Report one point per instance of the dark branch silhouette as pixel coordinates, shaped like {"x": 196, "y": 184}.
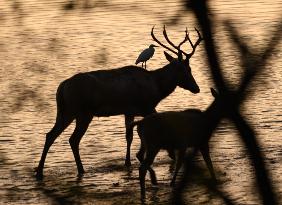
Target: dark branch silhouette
{"x": 233, "y": 99}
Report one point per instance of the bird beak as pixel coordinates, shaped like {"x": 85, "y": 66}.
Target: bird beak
{"x": 156, "y": 46}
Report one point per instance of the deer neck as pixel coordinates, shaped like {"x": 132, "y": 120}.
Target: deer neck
{"x": 213, "y": 115}
{"x": 166, "y": 80}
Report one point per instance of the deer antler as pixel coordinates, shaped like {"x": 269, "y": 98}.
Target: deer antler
{"x": 167, "y": 39}
{"x": 187, "y": 38}
{"x": 172, "y": 44}
{"x": 194, "y": 46}
{"x": 161, "y": 44}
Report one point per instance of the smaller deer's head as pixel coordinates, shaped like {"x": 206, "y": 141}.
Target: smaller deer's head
{"x": 181, "y": 66}
{"x": 218, "y": 108}
{"x": 224, "y": 102}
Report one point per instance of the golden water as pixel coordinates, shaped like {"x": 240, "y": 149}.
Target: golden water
{"x": 42, "y": 44}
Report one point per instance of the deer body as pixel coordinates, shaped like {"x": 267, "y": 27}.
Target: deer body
{"x": 130, "y": 91}
{"x": 175, "y": 131}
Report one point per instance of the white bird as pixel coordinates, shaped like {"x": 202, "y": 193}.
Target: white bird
{"x": 146, "y": 55}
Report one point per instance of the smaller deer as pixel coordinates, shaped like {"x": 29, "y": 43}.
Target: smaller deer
{"x": 176, "y": 131}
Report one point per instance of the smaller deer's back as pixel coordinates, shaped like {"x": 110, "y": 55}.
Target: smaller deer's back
{"x": 173, "y": 129}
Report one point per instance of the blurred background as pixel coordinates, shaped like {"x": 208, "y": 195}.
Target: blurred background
{"x": 44, "y": 42}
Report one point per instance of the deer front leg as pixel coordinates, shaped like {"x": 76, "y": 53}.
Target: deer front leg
{"x": 129, "y": 137}
{"x": 141, "y": 153}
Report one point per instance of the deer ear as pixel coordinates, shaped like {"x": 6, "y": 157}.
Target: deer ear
{"x": 214, "y": 93}
{"x": 168, "y": 57}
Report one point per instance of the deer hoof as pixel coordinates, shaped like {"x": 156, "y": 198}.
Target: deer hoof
{"x": 80, "y": 175}
{"x": 39, "y": 175}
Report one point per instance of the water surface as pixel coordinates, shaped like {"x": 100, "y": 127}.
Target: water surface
{"x": 42, "y": 44}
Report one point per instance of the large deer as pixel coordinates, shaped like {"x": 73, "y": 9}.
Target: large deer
{"x": 130, "y": 91}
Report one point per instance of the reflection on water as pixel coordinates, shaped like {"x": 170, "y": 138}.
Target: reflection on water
{"x": 42, "y": 43}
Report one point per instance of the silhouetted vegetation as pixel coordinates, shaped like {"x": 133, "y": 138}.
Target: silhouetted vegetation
{"x": 253, "y": 63}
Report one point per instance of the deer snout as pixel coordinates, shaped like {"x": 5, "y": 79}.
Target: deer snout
{"x": 195, "y": 90}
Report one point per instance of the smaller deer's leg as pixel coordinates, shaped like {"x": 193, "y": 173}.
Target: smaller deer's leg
{"x": 179, "y": 162}
{"x": 206, "y": 155}
{"x": 141, "y": 152}
{"x": 51, "y": 136}
{"x": 82, "y": 123}
{"x": 129, "y": 137}
{"x": 153, "y": 176}
{"x": 171, "y": 154}
{"x": 146, "y": 165}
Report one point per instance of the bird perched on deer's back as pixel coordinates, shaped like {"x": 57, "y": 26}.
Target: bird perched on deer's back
{"x": 146, "y": 55}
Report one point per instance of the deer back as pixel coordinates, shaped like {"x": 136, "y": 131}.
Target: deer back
{"x": 129, "y": 90}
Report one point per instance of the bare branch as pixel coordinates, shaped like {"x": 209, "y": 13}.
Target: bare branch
{"x": 253, "y": 148}
{"x": 201, "y": 10}
{"x": 252, "y": 63}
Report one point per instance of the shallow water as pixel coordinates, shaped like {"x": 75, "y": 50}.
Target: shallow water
{"x": 42, "y": 44}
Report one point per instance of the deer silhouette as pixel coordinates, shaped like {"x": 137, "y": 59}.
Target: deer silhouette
{"x": 177, "y": 131}
{"x": 130, "y": 91}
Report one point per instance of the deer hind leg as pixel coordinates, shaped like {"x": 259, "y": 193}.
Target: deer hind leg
{"x": 146, "y": 165}
{"x": 171, "y": 154}
{"x": 62, "y": 122}
{"x": 82, "y": 123}
{"x": 206, "y": 155}
{"x": 179, "y": 162}
{"x": 129, "y": 138}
